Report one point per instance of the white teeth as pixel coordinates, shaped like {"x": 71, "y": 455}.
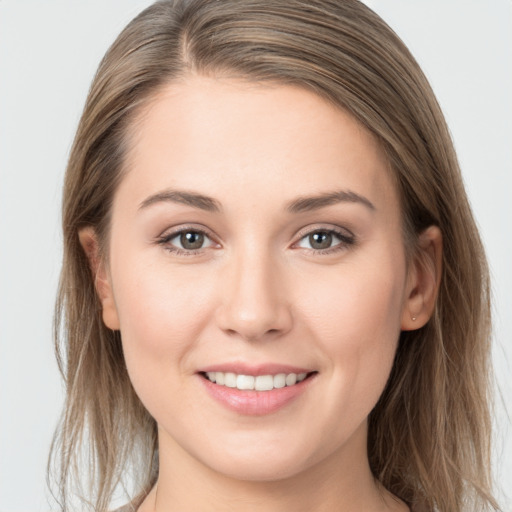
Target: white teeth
{"x": 291, "y": 379}
{"x": 280, "y": 380}
{"x": 230, "y": 380}
{"x": 259, "y": 383}
{"x": 245, "y": 382}
{"x": 264, "y": 383}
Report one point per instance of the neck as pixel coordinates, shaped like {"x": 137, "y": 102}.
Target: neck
{"x": 341, "y": 482}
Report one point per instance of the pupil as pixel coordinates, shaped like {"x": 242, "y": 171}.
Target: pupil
{"x": 192, "y": 240}
{"x": 320, "y": 240}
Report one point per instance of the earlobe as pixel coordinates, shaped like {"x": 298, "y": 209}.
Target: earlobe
{"x": 90, "y": 245}
{"x": 423, "y": 280}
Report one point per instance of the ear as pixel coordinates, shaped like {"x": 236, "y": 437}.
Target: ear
{"x": 423, "y": 279}
{"x": 102, "y": 283}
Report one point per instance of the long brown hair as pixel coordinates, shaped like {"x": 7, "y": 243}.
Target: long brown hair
{"x": 429, "y": 434}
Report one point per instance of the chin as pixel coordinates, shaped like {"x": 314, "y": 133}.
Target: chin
{"x": 263, "y": 459}
{"x": 251, "y": 470}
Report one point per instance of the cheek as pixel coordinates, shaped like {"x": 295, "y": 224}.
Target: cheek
{"x": 359, "y": 306}
{"x": 161, "y": 314}
{"x": 156, "y": 302}
{"x": 357, "y": 322}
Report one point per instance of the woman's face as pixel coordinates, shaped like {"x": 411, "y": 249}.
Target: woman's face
{"x": 256, "y": 232}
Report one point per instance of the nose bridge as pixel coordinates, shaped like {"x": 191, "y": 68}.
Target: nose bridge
{"x": 254, "y": 303}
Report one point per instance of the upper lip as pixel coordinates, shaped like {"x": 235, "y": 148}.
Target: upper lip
{"x": 241, "y": 368}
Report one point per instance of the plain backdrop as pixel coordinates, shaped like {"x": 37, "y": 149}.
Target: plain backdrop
{"x": 49, "y": 50}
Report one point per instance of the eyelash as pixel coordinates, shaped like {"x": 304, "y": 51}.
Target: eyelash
{"x": 165, "y": 240}
{"x": 345, "y": 241}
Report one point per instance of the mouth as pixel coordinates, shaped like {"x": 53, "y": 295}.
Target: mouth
{"x": 256, "y": 382}
{"x": 256, "y": 389}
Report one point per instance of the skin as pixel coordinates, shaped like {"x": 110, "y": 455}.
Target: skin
{"x": 258, "y": 291}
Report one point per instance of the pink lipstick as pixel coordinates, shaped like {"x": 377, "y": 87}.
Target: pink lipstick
{"x": 255, "y": 389}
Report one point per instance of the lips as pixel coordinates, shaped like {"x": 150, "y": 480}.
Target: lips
{"x": 255, "y": 390}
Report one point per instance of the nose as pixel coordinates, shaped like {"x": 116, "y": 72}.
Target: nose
{"x": 254, "y": 302}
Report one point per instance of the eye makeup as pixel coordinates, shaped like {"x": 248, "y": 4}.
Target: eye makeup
{"x": 192, "y": 240}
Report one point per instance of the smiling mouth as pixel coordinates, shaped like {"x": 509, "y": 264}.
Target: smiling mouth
{"x": 256, "y": 383}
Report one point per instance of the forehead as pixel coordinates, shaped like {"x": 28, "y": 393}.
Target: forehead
{"x": 230, "y": 138}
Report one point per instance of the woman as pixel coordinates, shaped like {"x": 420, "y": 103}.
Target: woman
{"x": 273, "y": 290}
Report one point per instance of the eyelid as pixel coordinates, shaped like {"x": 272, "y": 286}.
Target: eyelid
{"x": 332, "y": 228}
{"x": 176, "y": 230}
{"x": 346, "y": 237}
{"x": 170, "y": 233}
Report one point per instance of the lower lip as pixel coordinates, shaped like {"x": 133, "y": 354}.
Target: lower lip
{"x": 255, "y": 403}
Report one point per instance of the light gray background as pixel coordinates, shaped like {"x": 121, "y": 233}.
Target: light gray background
{"x": 49, "y": 50}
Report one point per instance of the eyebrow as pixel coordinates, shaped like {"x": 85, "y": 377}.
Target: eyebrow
{"x": 302, "y": 204}
{"x": 310, "y": 203}
{"x": 182, "y": 197}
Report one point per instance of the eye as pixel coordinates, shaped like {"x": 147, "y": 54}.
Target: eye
{"x": 326, "y": 240}
{"x": 186, "y": 241}
{"x": 190, "y": 240}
